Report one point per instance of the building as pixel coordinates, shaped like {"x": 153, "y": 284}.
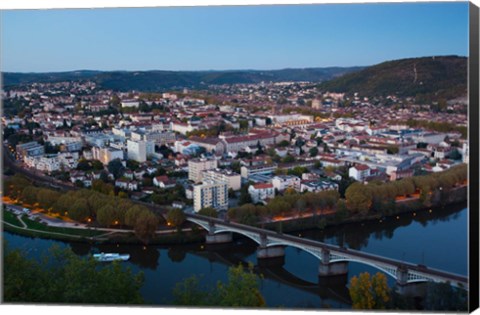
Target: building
{"x": 47, "y": 163}
{"x": 233, "y": 180}
{"x": 317, "y": 185}
{"x": 126, "y": 184}
{"x": 181, "y": 127}
{"x": 164, "y": 182}
{"x": 265, "y": 169}
{"x": 282, "y": 182}
{"x": 197, "y": 166}
{"x": 29, "y": 149}
{"x": 186, "y": 147}
{"x": 210, "y": 194}
{"x": 130, "y": 103}
{"x": 106, "y": 155}
{"x": 359, "y": 172}
{"x": 158, "y": 137}
{"x": 237, "y": 143}
{"x": 211, "y": 145}
{"x": 316, "y": 103}
{"x": 140, "y": 150}
{"x": 261, "y": 192}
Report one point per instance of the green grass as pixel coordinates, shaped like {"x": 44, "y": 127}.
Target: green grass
{"x": 11, "y": 218}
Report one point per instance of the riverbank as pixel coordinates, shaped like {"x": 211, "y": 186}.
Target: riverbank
{"x": 197, "y": 235}
{"x": 454, "y": 198}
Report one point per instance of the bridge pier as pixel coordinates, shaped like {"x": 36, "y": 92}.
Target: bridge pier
{"x": 328, "y": 269}
{"x": 415, "y": 289}
{"x": 264, "y": 252}
{"x": 333, "y": 269}
{"x": 218, "y": 238}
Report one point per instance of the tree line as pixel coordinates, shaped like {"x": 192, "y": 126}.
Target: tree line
{"x": 63, "y": 277}
{"x": 378, "y": 197}
{"x": 86, "y": 206}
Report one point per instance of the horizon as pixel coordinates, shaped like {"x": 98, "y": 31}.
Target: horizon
{"x": 225, "y": 38}
{"x": 227, "y": 70}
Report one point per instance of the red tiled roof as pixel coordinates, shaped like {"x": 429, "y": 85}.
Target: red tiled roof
{"x": 361, "y": 167}
{"x": 263, "y": 186}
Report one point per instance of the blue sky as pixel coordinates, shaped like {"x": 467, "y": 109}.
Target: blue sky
{"x": 221, "y": 38}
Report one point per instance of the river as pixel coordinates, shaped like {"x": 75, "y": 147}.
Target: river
{"x": 437, "y": 239}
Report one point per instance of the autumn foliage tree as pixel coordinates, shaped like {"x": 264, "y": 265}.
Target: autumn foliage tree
{"x": 176, "y": 217}
{"x": 241, "y": 290}
{"x": 359, "y": 198}
{"x": 369, "y": 292}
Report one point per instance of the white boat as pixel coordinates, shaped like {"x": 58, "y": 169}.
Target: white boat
{"x": 111, "y": 256}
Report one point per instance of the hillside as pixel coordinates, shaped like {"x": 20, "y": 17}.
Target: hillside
{"x": 426, "y": 78}
{"x": 150, "y": 81}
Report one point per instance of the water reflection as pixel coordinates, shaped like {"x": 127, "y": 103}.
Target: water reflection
{"x": 292, "y": 281}
{"x": 357, "y": 235}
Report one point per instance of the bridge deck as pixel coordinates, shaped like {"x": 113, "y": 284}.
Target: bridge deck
{"x": 334, "y": 249}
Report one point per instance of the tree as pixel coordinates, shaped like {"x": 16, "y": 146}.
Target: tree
{"x": 97, "y": 165}
{"x": 47, "y": 198}
{"x": 64, "y": 203}
{"x": 209, "y": 212}
{"x": 106, "y": 215}
{"x": 29, "y": 195}
{"x": 116, "y": 168}
{"x": 132, "y": 214}
{"x": 369, "y": 292}
{"x": 14, "y": 185}
{"x": 176, "y": 217}
{"x": 288, "y": 159}
{"x": 313, "y": 151}
{"x": 283, "y": 143}
{"x": 122, "y": 194}
{"x": 145, "y": 225}
{"x": 84, "y": 165}
{"x": 241, "y": 290}
{"x": 244, "y": 195}
{"x": 79, "y": 210}
{"x": 359, "y": 198}
{"x": 63, "y": 277}
{"x": 444, "y": 297}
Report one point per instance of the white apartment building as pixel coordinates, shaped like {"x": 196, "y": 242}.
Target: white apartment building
{"x": 140, "y": 150}
{"x": 317, "y": 185}
{"x": 182, "y": 128}
{"x": 233, "y": 180}
{"x": 210, "y": 194}
{"x": 261, "y": 192}
{"x": 197, "y": 166}
{"x": 106, "y": 155}
{"x": 263, "y": 169}
{"x": 46, "y": 163}
{"x": 282, "y": 182}
{"x": 52, "y": 162}
{"x": 359, "y": 172}
{"x": 130, "y": 103}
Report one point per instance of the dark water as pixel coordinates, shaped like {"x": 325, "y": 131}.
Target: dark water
{"x": 437, "y": 239}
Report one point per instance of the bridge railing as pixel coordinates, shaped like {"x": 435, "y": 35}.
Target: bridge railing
{"x": 358, "y": 255}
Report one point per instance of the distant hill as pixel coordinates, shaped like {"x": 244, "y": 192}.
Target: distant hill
{"x": 150, "y": 81}
{"x": 427, "y": 78}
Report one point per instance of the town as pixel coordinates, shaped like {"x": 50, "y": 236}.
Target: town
{"x": 229, "y": 145}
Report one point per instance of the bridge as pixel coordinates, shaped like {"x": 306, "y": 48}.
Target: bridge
{"x": 333, "y": 259}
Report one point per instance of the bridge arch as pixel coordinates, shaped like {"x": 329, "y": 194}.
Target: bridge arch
{"x": 311, "y": 252}
{"x": 389, "y": 271}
